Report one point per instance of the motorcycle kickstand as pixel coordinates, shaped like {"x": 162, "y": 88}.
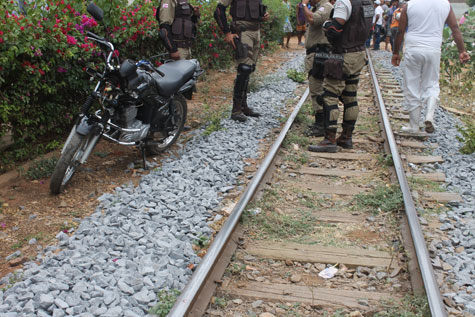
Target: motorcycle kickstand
{"x": 145, "y": 167}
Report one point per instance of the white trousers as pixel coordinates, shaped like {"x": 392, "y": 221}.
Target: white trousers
{"x": 421, "y": 76}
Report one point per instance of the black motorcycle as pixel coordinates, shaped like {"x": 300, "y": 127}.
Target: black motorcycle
{"x": 140, "y": 105}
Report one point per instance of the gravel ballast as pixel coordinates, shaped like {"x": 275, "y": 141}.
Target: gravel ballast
{"x": 139, "y": 239}
{"x": 453, "y": 257}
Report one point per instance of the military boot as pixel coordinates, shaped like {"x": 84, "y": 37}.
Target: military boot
{"x": 236, "y": 112}
{"x": 317, "y": 129}
{"x": 328, "y": 144}
{"x": 345, "y": 138}
{"x": 247, "y": 110}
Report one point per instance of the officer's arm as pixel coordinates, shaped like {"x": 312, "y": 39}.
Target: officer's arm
{"x": 166, "y": 17}
{"x": 220, "y": 17}
{"x": 457, "y": 35}
{"x": 318, "y": 17}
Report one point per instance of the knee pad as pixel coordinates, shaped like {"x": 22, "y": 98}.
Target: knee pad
{"x": 245, "y": 69}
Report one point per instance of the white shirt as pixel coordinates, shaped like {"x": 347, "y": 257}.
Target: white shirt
{"x": 342, "y": 9}
{"x": 378, "y": 11}
{"x": 426, "y": 19}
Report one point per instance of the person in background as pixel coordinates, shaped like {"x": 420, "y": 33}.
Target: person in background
{"x": 301, "y": 22}
{"x": 317, "y": 47}
{"x": 463, "y": 18}
{"x": 424, "y": 21}
{"x": 178, "y": 21}
{"x": 287, "y": 26}
{"x": 244, "y": 36}
{"x": 394, "y": 25}
{"x": 388, "y": 19}
{"x": 377, "y": 25}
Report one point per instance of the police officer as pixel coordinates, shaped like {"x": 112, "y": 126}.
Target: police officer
{"x": 178, "y": 26}
{"x": 347, "y": 32}
{"x": 317, "y": 47}
{"x": 244, "y": 36}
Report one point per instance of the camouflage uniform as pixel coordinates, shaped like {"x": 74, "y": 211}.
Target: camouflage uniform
{"x": 176, "y": 39}
{"x": 316, "y": 41}
{"x": 246, "y": 24}
{"x": 342, "y": 71}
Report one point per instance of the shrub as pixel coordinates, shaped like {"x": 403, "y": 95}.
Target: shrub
{"x": 456, "y": 76}
{"x": 468, "y": 137}
{"x": 42, "y": 168}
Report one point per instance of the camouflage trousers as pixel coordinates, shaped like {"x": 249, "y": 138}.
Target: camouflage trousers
{"x": 185, "y": 53}
{"x": 344, "y": 90}
{"x": 252, "y": 40}
{"x": 314, "y": 85}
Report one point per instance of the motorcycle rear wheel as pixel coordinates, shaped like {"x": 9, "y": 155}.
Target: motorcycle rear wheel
{"x": 162, "y": 143}
{"x": 68, "y": 163}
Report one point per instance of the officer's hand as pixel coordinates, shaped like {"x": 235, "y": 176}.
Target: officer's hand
{"x": 464, "y": 57}
{"x": 196, "y": 12}
{"x": 266, "y": 17}
{"x": 229, "y": 38}
{"x": 304, "y": 2}
{"x": 396, "y": 59}
{"x": 175, "y": 56}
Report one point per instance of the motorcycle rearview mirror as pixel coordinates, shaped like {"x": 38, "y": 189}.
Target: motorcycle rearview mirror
{"x": 96, "y": 12}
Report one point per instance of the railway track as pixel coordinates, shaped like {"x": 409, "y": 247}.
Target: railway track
{"x": 306, "y": 213}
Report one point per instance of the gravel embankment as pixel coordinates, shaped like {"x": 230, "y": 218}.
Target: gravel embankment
{"x": 453, "y": 255}
{"x": 139, "y": 239}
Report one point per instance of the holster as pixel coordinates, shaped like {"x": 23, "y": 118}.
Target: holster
{"x": 333, "y": 67}
{"x": 241, "y": 49}
{"x": 318, "y": 67}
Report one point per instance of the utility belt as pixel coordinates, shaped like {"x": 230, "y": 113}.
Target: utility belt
{"x": 183, "y": 44}
{"x": 238, "y": 29}
{"x": 322, "y": 53}
{"x": 350, "y": 50}
{"x": 319, "y": 48}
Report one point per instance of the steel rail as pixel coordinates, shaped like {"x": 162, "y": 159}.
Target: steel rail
{"x": 190, "y": 293}
{"x": 434, "y": 297}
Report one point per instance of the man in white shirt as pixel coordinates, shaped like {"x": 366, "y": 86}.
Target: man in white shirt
{"x": 424, "y": 21}
{"x": 377, "y": 26}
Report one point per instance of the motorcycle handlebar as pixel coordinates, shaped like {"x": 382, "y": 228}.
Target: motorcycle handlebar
{"x": 95, "y": 36}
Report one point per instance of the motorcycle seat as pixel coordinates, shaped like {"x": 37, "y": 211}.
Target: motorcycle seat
{"x": 175, "y": 75}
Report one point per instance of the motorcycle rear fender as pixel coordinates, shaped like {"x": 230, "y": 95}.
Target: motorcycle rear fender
{"x": 187, "y": 89}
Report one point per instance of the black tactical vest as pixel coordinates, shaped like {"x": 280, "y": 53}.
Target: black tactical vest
{"x": 182, "y": 26}
{"x": 356, "y": 29}
{"x": 247, "y": 10}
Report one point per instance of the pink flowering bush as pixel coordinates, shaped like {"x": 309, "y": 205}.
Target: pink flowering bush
{"x": 43, "y": 55}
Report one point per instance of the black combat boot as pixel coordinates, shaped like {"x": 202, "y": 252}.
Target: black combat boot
{"x": 240, "y": 93}
{"x": 328, "y": 144}
{"x": 345, "y": 139}
{"x": 236, "y": 112}
{"x": 317, "y": 129}
{"x": 247, "y": 110}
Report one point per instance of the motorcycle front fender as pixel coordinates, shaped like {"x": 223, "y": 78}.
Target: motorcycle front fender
{"x": 84, "y": 128}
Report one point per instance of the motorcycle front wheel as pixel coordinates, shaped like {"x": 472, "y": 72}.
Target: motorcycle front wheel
{"x": 176, "y": 120}
{"x": 68, "y": 162}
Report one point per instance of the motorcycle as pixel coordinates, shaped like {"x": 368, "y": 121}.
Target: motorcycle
{"x": 140, "y": 105}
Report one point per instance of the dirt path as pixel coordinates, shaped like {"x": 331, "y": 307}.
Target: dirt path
{"x": 30, "y": 217}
